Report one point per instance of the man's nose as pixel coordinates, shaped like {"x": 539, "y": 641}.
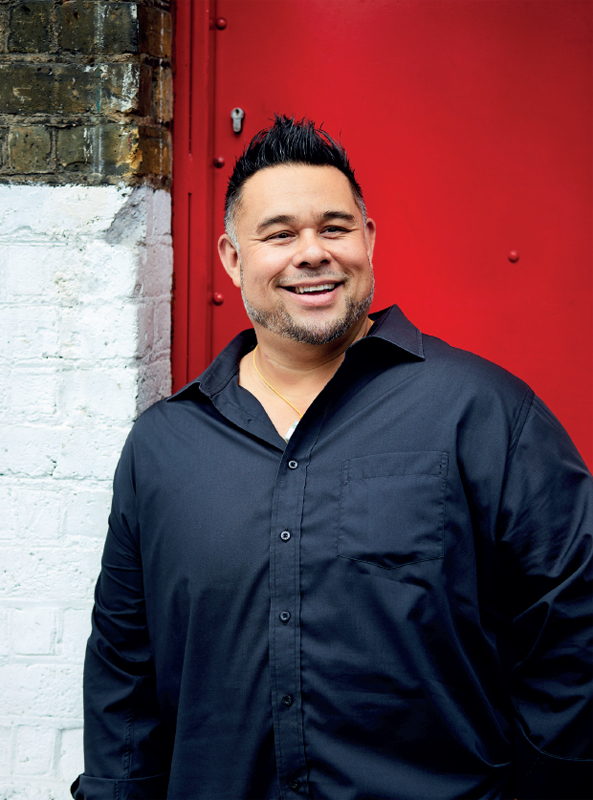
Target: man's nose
{"x": 310, "y": 251}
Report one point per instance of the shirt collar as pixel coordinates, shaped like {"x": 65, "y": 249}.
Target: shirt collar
{"x": 390, "y": 325}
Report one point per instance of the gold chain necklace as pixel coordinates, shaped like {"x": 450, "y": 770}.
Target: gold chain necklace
{"x": 269, "y": 385}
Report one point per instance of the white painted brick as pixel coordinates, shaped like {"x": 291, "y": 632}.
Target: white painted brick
{"x": 51, "y": 690}
{"x": 6, "y": 739}
{"x": 34, "y": 631}
{"x": 107, "y": 272}
{"x": 71, "y": 757}
{"x": 8, "y": 520}
{"x": 89, "y": 452}
{"x": 98, "y": 334}
{"x": 162, "y": 339}
{"x": 81, "y": 268}
{"x": 129, "y": 224}
{"x": 86, "y": 512}
{"x": 38, "y": 513}
{"x": 154, "y": 383}
{"x": 33, "y": 392}
{"x": 27, "y": 272}
{"x": 26, "y": 790}
{"x": 154, "y": 328}
{"x": 158, "y": 214}
{"x": 60, "y": 211}
{"x": 34, "y": 750}
{"x": 4, "y": 631}
{"x": 76, "y": 629}
{"x": 155, "y": 270}
{"x": 146, "y": 324}
{"x": 107, "y": 394}
{"x": 30, "y": 331}
{"x": 29, "y": 450}
{"x": 55, "y": 574}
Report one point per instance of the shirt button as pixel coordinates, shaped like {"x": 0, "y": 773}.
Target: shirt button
{"x": 293, "y": 464}
{"x": 285, "y": 536}
{"x": 284, "y": 616}
{"x": 287, "y": 700}
{"x": 294, "y": 785}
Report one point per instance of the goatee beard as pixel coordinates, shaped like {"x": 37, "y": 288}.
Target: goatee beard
{"x": 279, "y": 321}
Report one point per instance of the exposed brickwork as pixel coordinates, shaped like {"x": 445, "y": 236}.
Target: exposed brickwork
{"x": 85, "y": 91}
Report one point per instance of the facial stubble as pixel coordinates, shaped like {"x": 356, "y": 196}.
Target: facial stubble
{"x": 279, "y": 320}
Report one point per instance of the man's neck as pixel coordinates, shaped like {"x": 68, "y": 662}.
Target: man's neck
{"x": 286, "y": 376}
{"x": 298, "y": 366}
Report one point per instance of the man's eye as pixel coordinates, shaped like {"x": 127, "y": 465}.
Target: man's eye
{"x": 334, "y": 229}
{"x": 280, "y": 235}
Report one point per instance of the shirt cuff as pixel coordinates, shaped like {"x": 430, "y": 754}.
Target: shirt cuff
{"x": 86, "y": 787}
{"x": 542, "y": 776}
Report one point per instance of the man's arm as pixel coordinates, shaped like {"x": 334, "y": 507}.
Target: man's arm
{"x": 126, "y": 755}
{"x": 546, "y": 551}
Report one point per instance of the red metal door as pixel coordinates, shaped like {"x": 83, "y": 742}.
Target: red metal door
{"x": 469, "y": 124}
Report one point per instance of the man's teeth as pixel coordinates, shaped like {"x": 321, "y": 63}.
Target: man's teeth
{"x": 325, "y": 287}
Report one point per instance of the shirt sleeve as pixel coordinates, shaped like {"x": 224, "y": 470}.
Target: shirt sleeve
{"x": 545, "y": 544}
{"x": 125, "y": 750}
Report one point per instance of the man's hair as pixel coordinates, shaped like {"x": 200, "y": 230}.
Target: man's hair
{"x": 287, "y": 141}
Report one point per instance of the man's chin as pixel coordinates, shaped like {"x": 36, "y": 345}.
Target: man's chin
{"x": 283, "y": 324}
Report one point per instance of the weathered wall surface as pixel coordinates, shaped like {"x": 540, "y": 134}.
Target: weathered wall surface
{"x": 85, "y": 91}
{"x": 85, "y": 288}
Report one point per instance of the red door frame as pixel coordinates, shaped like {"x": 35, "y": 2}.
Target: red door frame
{"x": 194, "y": 39}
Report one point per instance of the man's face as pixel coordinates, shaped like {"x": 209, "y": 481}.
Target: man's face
{"x": 304, "y": 260}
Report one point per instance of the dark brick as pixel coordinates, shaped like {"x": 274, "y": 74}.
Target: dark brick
{"x": 29, "y": 149}
{"x": 90, "y": 27}
{"x": 156, "y": 33}
{"x": 108, "y": 149}
{"x": 3, "y": 27}
{"x": 3, "y": 135}
{"x": 155, "y": 152}
{"x": 30, "y": 27}
{"x": 162, "y": 96}
{"x": 144, "y": 90}
{"x": 68, "y": 88}
{"x": 119, "y": 87}
{"x": 25, "y": 88}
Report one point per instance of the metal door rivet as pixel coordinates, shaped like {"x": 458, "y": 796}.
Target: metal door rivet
{"x": 513, "y": 256}
{"x": 218, "y": 298}
{"x": 221, "y": 23}
{"x": 219, "y": 162}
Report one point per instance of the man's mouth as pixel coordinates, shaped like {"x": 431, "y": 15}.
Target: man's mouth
{"x": 323, "y": 287}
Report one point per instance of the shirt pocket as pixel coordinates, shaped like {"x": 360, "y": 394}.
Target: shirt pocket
{"x": 392, "y": 508}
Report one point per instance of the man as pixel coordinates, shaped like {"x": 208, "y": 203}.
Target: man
{"x": 348, "y": 561}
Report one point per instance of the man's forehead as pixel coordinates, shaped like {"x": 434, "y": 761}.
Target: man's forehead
{"x": 281, "y": 189}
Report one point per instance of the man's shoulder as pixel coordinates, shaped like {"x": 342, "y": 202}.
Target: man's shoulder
{"x": 469, "y": 371}
{"x": 168, "y": 412}
{"x": 443, "y": 363}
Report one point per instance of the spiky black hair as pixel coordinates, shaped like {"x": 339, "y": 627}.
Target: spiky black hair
{"x": 287, "y": 141}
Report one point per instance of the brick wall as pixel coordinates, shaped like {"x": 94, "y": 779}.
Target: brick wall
{"x": 85, "y": 285}
{"x": 85, "y": 91}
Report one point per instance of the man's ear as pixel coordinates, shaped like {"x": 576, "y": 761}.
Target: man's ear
{"x": 370, "y": 234}
{"x": 230, "y": 259}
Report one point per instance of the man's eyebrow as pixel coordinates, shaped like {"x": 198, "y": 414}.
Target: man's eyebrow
{"x": 280, "y": 219}
{"x": 339, "y": 215}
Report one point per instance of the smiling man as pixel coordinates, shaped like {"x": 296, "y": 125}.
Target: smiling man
{"x": 347, "y": 562}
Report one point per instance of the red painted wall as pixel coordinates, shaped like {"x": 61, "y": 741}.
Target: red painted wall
{"x": 469, "y": 124}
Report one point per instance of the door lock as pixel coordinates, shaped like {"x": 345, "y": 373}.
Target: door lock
{"x": 237, "y": 115}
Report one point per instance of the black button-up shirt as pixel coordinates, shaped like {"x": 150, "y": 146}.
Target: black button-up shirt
{"x": 390, "y": 605}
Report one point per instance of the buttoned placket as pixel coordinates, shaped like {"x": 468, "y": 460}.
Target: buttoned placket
{"x": 285, "y": 648}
